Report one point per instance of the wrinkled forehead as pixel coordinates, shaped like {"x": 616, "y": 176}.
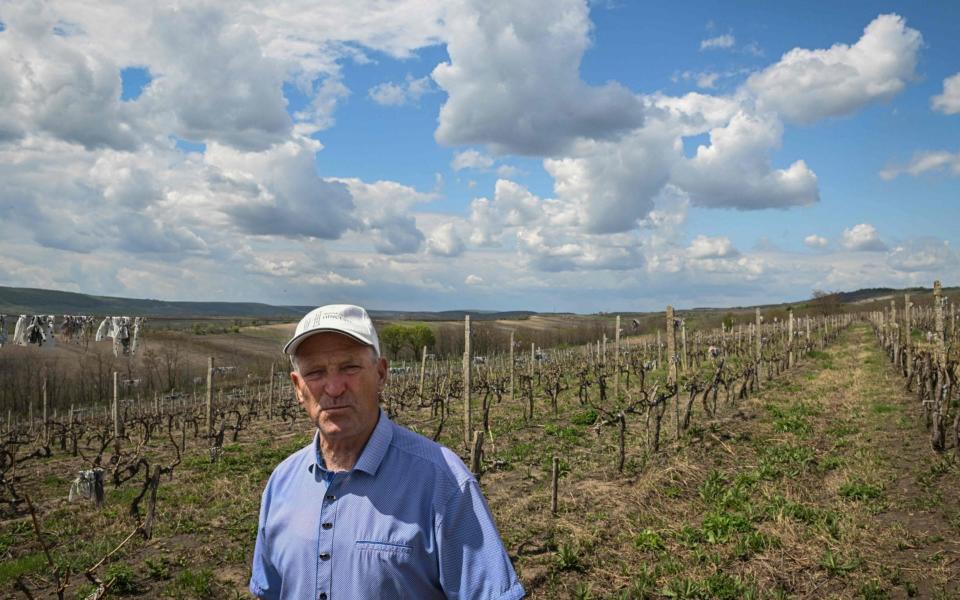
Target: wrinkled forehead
{"x": 329, "y": 346}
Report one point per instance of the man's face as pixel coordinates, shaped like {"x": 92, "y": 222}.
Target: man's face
{"x": 338, "y": 384}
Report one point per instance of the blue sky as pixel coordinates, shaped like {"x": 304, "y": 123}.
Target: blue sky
{"x": 500, "y": 155}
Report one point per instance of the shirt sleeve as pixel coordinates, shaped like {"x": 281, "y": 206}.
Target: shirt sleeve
{"x": 473, "y": 562}
{"x": 265, "y": 579}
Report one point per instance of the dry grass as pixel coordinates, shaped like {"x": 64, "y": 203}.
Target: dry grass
{"x": 822, "y": 485}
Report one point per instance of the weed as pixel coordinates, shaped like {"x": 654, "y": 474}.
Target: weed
{"x": 682, "y": 589}
{"x": 121, "y": 579}
{"x": 587, "y": 417}
{"x": 648, "y": 541}
{"x": 583, "y": 591}
{"x": 834, "y": 563}
{"x": 754, "y": 542}
{"x": 642, "y": 586}
{"x": 857, "y": 490}
{"x": 882, "y": 408}
{"x": 724, "y": 587}
{"x": 719, "y": 527}
{"x": 568, "y": 559}
{"x": 157, "y": 569}
{"x": 193, "y": 585}
{"x": 873, "y": 590}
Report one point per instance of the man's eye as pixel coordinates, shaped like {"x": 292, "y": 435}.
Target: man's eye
{"x": 352, "y": 368}
{"x": 313, "y": 375}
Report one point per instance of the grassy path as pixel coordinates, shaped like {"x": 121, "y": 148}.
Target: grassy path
{"x": 821, "y": 486}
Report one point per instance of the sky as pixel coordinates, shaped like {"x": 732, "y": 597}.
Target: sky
{"x": 498, "y": 155}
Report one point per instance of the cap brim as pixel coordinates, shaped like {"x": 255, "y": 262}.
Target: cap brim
{"x": 293, "y": 344}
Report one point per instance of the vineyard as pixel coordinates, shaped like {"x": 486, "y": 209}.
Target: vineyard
{"x": 770, "y": 457}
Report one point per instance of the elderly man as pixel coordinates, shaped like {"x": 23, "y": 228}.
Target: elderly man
{"x": 369, "y": 509}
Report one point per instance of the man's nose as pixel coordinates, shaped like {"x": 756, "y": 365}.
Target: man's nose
{"x": 335, "y": 384}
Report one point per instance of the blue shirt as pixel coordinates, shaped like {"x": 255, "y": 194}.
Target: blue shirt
{"x": 409, "y": 521}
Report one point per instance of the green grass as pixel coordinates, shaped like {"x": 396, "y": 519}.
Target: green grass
{"x": 29, "y": 563}
{"x": 858, "y": 490}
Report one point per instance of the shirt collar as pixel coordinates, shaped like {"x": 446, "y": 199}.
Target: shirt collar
{"x": 373, "y": 452}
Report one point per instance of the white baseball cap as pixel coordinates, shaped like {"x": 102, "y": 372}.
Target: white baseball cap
{"x": 347, "y": 319}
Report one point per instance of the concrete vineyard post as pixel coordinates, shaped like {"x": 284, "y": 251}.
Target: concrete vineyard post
{"x": 423, "y": 372}
{"x": 467, "y": 417}
{"x": 210, "y": 395}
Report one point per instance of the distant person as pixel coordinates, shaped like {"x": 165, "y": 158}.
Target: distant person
{"x": 369, "y": 509}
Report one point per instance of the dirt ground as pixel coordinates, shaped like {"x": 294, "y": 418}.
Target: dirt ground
{"x": 822, "y": 485}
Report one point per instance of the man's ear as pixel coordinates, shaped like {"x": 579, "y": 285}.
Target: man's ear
{"x": 383, "y": 369}
{"x": 297, "y": 381}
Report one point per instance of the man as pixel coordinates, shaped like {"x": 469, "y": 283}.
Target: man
{"x": 369, "y": 509}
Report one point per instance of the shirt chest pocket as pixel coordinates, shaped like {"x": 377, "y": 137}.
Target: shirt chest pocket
{"x": 399, "y": 549}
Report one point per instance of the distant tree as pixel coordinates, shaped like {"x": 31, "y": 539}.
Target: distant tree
{"x": 728, "y": 321}
{"x": 394, "y": 337}
{"x": 420, "y": 336}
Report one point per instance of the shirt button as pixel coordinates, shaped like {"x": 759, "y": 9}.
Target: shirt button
{"x": 327, "y": 525}
{"x": 324, "y": 556}
{"x": 331, "y": 497}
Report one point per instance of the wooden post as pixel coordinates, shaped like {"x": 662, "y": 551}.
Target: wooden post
{"x": 476, "y": 454}
{"x": 46, "y": 438}
{"x": 423, "y": 372}
{"x": 759, "y": 346}
{"x": 659, "y": 350}
{"x": 533, "y": 359}
{"x": 616, "y": 362}
{"x": 938, "y": 326}
{"x": 554, "y": 485}
{"x": 467, "y": 416}
{"x": 116, "y": 409}
{"x": 672, "y": 364}
{"x": 683, "y": 338}
{"x": 270, "y": 392}
{"x": 908, "y": 334}
{"x": 512, "y": 368}
{"x": 790, "y": 342}
{"x": 210, "y": 396}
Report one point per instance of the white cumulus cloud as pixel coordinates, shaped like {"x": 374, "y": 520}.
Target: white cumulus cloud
{"x": 949, "y": 101}
{"x": 702, "y": 247}
{"x": 815, "y": 241}
{"x": 471, "y": 159}
{"x": 513, "y": 79}
{"x": 445, "y": 241}
{"x": 721, "y": 41}
{"x": 809, "y": 85}
{"x": 923, "y": 162}
{"x": 862, "y": 237}
{"x": 409, "y": 91}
